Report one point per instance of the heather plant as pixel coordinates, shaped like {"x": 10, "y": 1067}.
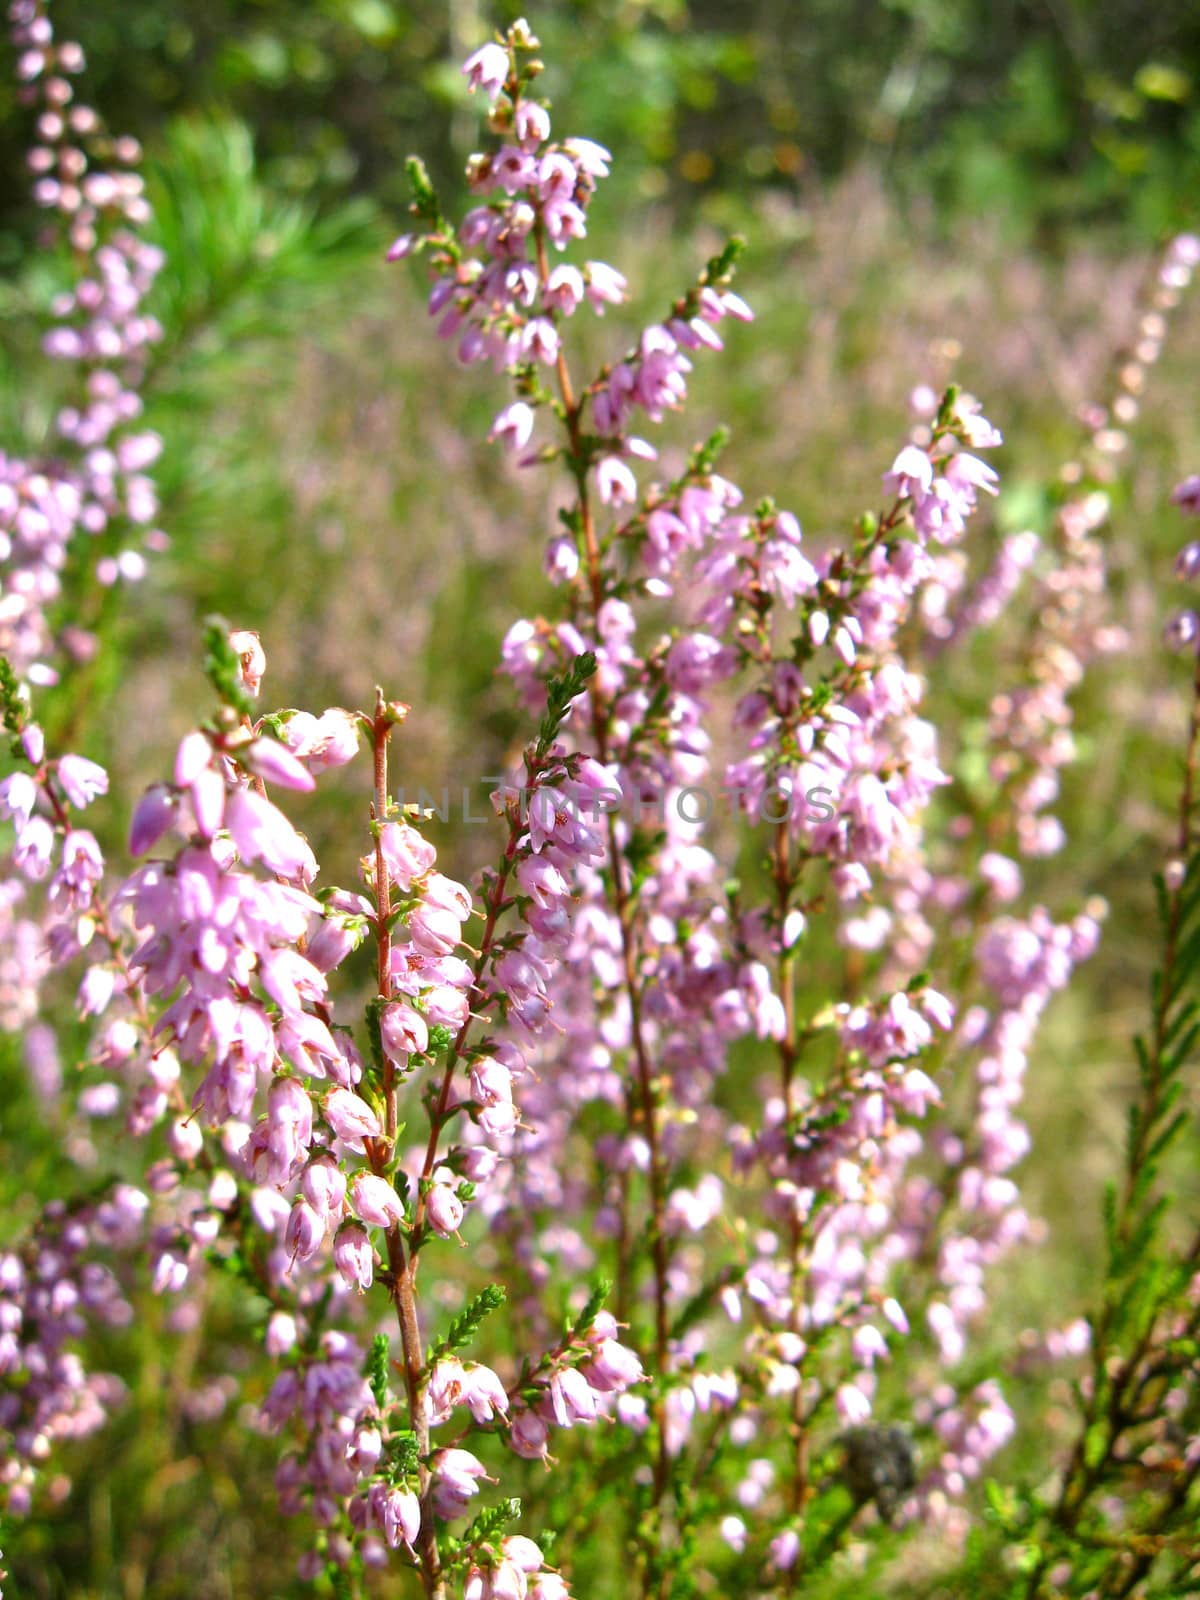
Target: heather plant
{"x": 626, "y": 1222}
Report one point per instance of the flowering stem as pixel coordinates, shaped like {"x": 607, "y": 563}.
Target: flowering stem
{"x": 495, "y": 906}
{"x": 646, "y": 1090}
{"x": 401, "y": 1267}
{"x": 784, "y": 882}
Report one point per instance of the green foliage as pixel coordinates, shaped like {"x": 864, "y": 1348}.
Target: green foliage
{"x": 1143, "y": 1331}
{"x": 1035, "y": 116}
{"x": 561, "y": 692}
{"x": 12, "y": 705}
{"x": 580, "y": 1326}
{"x": 468, "y": 1322}
{"x": 239, "y": 255}
{"x": 375, "y": 1368}
{"x": 375, "y": 1008}
{"x": 490, "y": 1522}
{"x": 223, "y": 667}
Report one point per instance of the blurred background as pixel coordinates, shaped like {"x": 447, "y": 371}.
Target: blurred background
{"x": 928, "y": 188}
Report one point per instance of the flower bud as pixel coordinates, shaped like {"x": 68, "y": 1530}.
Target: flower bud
{"x": 350, "y": 1117}
{"x": 152, "y": 816}
{"x": 275, "y": 763}
{"x": 1181, "y": 630}
{"x": 444, "y": 1209}
{"x": 404, "y": 1032}
{"x": 374, "y": 1201}
{"x": 353, "y": 1257}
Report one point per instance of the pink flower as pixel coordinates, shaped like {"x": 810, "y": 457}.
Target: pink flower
{"x": 487, "y": 69}
{"x": 330, "y": 740}
{"x": 911, "y": 475}
{"x": 353, "y": 1257}
{"x": 571, "y": 1398}
{"x": 448, "y": 895}
{"x": 407, "y": 854}
{"x": 513, "y": 426}
{"x": 613, "y": 1368}
{"x": 529, "y": 1436}
{"x": 868, "y": 1345}
{"x": 275, "y": 763}
{"x": 455, "y": 1481}
{"x": 852, "y": 1404}
{"x": 785, "y": 1549}
{"x": 261, "y": 832}
{"x": 324, "y": 1185}
{"x": 34, "y": 848}
{"x": 154, "y": 813}
{"x": 374, "y": 1201}
{"x": 253, "y": 661}
{"x": 281, "y": 1334}
{"x": 483, "y": 1394}
{"x": 82, "y": 780}
{"x": 605, "y": 285}
{"x": 1186, "y": 495}
{"x": 443, "y": 1207}
{"x": 532, "y": 123}
{"x": 191, "y": 758}
{"x": 208, "y": 801}
{"x": 350, "y": 1117}
{"x": 1181, "y": 630}
{"x": 404, "y": 1032}
{"x": 289, "y": 1123}
{"x": 565, "y": 289}
{"x": 304, "y": 1233}
{"x": 435, "y": 931}
{"x": 397, "y": 1512}
{"x": 540, "y": 341}
{"x": 615, "y": 483}
{"x": 590, "y": 157}
{"x": 18, "y": 796}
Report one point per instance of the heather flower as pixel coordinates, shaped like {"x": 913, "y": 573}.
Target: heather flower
{"x": 408, "y": 856}
{"x": 350, "y": 1117}
{"x": 374, "y": 1201}
{"x": 275, "y": 763}
{"x": 353, "y": 1257}
{"x": 82, "y": 780}
{"x": 571, "y": 1398}
{"x": 514, "y": 426}
{"x": 444, "y": 1208}
{"x": 324, "y": 1185}
{"x": 487, "y": 69}
{"x": 456, "y": 1475}
{"x": 1181, "y": 630}
{"x": 261, "y": 832}
{"x": 404, "y": 1032}
{"x": 155, "y": 813}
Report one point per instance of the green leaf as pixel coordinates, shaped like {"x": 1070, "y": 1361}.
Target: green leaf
{"x": 468, "y": 1321}
{"x": 583, "y": 1322}
{"x": 489, "y": 1522}
{"x": 1158, "y": 80}
{"x": 561, "y": 691}
{"x": 223, "y": 667}
{"x": 375, "y": 1369}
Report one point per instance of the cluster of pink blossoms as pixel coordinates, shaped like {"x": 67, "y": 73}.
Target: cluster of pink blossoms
{"x": 635, "y": 1064}
{"x": 667, "y": 976}
{"x": 664, "y": 973}
{"x": 90, "y": 184}
{"x": 51, "y": 1296}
